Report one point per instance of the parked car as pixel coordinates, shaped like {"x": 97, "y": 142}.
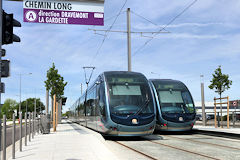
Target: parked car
{"x": 199, "y": 117}
{"x": 208, "y": 117}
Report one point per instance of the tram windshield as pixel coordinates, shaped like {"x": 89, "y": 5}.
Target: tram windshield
{"x": 174, "y": 97}
{"x": 129, "y": 94}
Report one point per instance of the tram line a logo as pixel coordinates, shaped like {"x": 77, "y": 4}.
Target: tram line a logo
{"x": 31, "y": 16}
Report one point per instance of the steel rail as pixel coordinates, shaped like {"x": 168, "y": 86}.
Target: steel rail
{"x": 150, "y": 157}
{"x": 185, "y": 150}
{"x": 219, "y": 145}
{"x": 222, "y": 138}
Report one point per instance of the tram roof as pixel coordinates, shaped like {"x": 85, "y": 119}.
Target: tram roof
{"x": 164, "y": 80}
{"x": 107, "y": 73}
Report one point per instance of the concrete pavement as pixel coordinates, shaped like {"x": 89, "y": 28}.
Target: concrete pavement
{"x": 221, "y": 130}
{"x": 70, "y": 142}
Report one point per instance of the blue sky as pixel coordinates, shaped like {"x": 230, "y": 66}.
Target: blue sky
{"x": 204, "y": 37}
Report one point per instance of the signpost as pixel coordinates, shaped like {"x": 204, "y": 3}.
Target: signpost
{"x": 81, "y": 12}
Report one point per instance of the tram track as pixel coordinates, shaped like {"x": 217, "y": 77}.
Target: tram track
{"x": 218, "y": 134}
{"x": 139, "y": 152}
{"x": 213, "y": 144}
{"x": 166, "y": 145}
{"x": 185, "y": 150}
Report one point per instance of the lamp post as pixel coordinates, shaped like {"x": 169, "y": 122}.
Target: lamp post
{"x": 203, "y": 101}
{"x": 20, "y": 89}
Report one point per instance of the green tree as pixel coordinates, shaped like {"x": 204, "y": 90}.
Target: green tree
{"x": 30, "y": 102}
{"x": 220, "y": 82}
{"x": 55, "y": 83}
{"x": 68, "y": 113}
{"x": 8, "y": 108}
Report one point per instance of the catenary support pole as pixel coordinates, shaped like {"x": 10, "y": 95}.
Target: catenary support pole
{"x": 34, "y": 114}
{"x": 81, "y": 89}
{"x": 20, "y": 143}
{"x": 30, "y": 126}
{"x": 47, "y": 101}
{"x": 25, "y": 128}
{"x": 54, "y": 113}
{"x": 203, "y": 105}
{"x": 13, "y": 137}
{"x": 129, "y": 39}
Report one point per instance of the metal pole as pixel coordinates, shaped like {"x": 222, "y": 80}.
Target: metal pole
{"x": 4, "y": 138}
{"x": 30, "y": 126}
{"x": 57, "y": 104}
{"x": 54, "y": 113}
{"x": 81, "y": 89}
{"x": 227, "y": 111}
{"x": 85, "y": 106}
{"x": 34, "y": 114}
{"x": 0, "y": 73}
{"x": 221, "y": 111}
{"x": 25, "y": 128}
{"x": 47, "y": 101}
{"x": 203, "y": 105}
{"x": 20, "y": 116}
{"x": 233, "y": 119}
{"x": 38, "y": 124}
{"x": 215, "y": 111}
{"x": 13, "y": 137}
{"x": 26, "y": 105}
{"x": 20, "y": 94}
{"x": 129, "y": 40}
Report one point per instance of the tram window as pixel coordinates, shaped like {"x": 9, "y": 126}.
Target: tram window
{"x": 126, "y": 90}
{"x": 188, "y": 102}
{"x": 170, "y": 97}
{"x": 102, "y": 101}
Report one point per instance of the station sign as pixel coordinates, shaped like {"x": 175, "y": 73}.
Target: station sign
{"x": 81, "y": 12}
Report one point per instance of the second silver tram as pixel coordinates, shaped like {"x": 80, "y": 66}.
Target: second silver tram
{"x": 118, "y": 103}
{"x": 175, "y": 106}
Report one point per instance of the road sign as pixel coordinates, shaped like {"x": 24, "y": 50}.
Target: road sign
{"x": 87, "y": 12}
{"x": 235, "y": 103}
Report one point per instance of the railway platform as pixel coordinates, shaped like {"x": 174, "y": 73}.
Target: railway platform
{"x": 224, "y": 130}
{"x": 69, "y": 142}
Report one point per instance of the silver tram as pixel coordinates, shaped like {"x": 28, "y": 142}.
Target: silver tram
{"x": 118, "y": 103}
{"x": 175, "y": 106}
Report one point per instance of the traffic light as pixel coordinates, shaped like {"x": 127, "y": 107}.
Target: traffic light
{"x": 3, "y": 52}
{"x": 5, "y": 68}
{"x": 64, "y": 99}
{"x": 8, "y": 22}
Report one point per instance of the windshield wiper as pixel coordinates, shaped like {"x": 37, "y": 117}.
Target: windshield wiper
{"x": 142, "y": 107}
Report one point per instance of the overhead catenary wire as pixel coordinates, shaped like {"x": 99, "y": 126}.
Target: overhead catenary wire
{"x": 109, "y": 18}
{"x": 145, "y": 19}
{"x": 163, "y": 28}
{"x": 106, "y": 33}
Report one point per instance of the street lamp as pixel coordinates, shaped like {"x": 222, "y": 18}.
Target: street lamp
{"x": 203, "y": 100}
{"x": 20, "y": 89}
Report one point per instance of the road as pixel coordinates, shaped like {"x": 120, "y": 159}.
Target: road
{"x": 17, "y": 137}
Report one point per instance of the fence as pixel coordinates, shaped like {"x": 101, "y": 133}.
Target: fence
{"x": 18, "y": 133}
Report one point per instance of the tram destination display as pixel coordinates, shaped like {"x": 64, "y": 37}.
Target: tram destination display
{"x": 87, "y": 12}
